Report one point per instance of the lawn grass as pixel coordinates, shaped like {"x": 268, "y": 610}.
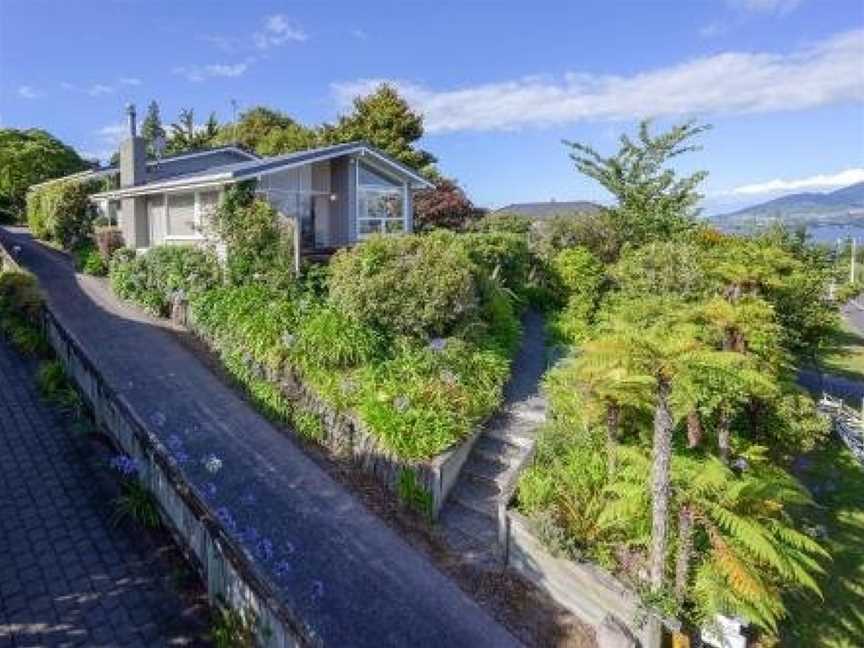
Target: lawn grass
{"x": 837, "y": 483}
{"x": 844, "y": 355}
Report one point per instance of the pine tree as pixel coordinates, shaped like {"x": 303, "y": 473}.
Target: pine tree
{"x": 151, "y": 126}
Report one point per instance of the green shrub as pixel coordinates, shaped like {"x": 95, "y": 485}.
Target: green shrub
{"x": 503, "y": 223}
{"x": 20, "y": 295}
{"x": 562, "y": 491}
{"x": 88, "y": 259}
{"x": 412, "y": 285}
{"x": 502, "y": 255}
{"x": 259, "y": 247}
{"x": 327, "y": 339}
{"x": 152, "y": 278}
{"x": 62, "y": 212}
{"x": 599, "y": 233}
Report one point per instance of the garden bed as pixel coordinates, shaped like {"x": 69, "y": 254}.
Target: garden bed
{"x": 424, "y": 485}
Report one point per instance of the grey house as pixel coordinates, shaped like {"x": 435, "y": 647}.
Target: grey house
{"x": 550, "y": 209}
{"x": 335, "y": 195}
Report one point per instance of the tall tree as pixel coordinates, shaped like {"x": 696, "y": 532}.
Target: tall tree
{"x": 385, "y": 120}
{"x": 28, "y": 157}
{"x": 151, "y": 126}
{"x": 267, "y": 132}
{"x": 653, "y": 202}
{"x": 182, "y": 136}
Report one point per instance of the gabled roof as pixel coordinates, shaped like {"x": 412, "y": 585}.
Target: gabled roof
{"x": 169, "y": 166}
{"x": 539, "y": 210}
{"x": 264, "y": 166}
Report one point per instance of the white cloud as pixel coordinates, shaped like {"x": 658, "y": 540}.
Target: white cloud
{"x": 823, "y": 182}
{"x": 278, "y": 30}
{"x": 764, "y": 6}
{"x": 28, "y": 92}
{"x": 112, "y": 134}
{"x": 98, "y": 89}
{"x": 132, "y": 81}
{"x": 201, "y": 72}
{"x": 826, "y": 72}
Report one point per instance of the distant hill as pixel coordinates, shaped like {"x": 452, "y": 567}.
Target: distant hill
{"x": 540, "y": 210}
{"x": 840, "y": 207}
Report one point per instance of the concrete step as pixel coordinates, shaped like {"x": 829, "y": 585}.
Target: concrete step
{"x": 521, "y": 436}
{"x": 484, "y": 468}
{"x": 480, "y": 495}
{"x": 481, "y": 528}
{"x": 471, "y": 550}
{"x": 496, "y": 450}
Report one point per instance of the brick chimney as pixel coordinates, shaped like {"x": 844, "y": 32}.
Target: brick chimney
{"x": 133, "y": 155}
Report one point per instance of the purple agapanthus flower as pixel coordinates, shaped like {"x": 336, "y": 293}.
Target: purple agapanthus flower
{"x": 282, "y": 569}
{"x": 264, "y": 549}
{"x": 125, "y": 465}
{"x": 225, "y": 517}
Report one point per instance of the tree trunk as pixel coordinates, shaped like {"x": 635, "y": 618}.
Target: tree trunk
{"x": 660, "y": 477}
{"x": 613, "y": 424}
{"x": 685, "y": 550}
{"x": 724, "y": 435}
{"x": 694, "y": 429}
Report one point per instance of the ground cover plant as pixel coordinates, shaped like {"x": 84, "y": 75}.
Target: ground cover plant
{"x": 675, "y": 421}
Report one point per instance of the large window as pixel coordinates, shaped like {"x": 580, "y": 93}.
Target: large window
{"x": 380, "y": 203}
{"x": 181, "y": 215}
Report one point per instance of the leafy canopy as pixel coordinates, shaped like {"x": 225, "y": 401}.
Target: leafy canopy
{"x": 653, "y": 202}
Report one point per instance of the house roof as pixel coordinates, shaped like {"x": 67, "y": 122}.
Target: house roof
{"x": 550, "y": 209}
{"x": 169, "y": 166}
{"x": 251, "y": 169}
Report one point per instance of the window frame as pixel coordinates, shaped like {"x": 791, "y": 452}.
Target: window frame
{"x": 401, "y": 187}
{"x": 196, "y": 219}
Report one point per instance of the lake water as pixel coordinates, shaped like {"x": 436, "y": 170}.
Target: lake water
{"x": 830, "y": 233}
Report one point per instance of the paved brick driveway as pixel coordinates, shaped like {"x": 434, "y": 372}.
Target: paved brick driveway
{"x": 67, "y": 576}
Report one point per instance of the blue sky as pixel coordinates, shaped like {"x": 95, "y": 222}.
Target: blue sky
{"x": 500, "y": 84}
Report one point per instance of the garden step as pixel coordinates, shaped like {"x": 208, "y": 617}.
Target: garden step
{"x": 521, "y": 437}
{"x": 498, "y": 482}
{"x": 471, "y": 550}
{"x": 466, "y": 495}
{"x": 482, "y": 467}
{"x": 496, "y": 450}
{"x": 482, "y": 528}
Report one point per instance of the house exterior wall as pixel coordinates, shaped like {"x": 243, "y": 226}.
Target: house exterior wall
{"x": 133, "y": 223}
{"x": 341, "y": 212}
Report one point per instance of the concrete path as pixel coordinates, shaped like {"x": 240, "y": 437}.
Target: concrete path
{"x": 67, "y": 576}
{"x": 469, "y": 517}
{"x": 351, "y": 578}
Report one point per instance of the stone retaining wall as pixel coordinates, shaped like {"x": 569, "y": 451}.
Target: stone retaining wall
{"x": 231, "y": 577}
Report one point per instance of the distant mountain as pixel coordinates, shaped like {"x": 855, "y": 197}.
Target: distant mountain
{"x": 840, "y": 207}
